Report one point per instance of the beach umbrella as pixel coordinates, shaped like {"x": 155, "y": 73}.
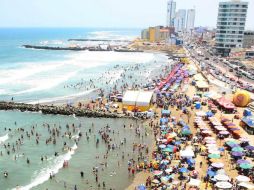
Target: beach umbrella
{"x": 212, "y": 151}
{"x": 213, "y": 156}
{"x": 207, "y": 132}
{"x": 242, "y": 161}
{"x": 183, "y": 170}
{"x": 211, "y": 173}
{"x": 162, "y": 146}
{"x": 164, "y": 162}
{"x": 211, "y": 145}
{"x": 234, "y": 145}
{"x": 186, "y": 132}
{"x": 209, "y": 138}
{"x": 155, "y": 181}
{"x": 169, "y": 170}
{"x": 224, "y": 132}
{"x": 246, "y": 185}
{"x": 244, "y": 139}
{"x": 242, "y": 178}
{"x": 217, "y": 165}
{"x": 211, "y": 142}
{"x": 168, "y": 149}
{"x": 221, "y": 171}
{"x": 237, "y": 154}
{"x": 230, "y": 143}
{"x": 246, "y": 166}
{"x": 177, "y": 142}
{"x": 221, "y": 177}
{"x": 157, "y": 172}
{"x": 249, "y": 147}
{"x": 223, "y": 185}
{"x": 237, "y": 149}
{"x": 194, "y": 182}
{"x": 141, "y": 187}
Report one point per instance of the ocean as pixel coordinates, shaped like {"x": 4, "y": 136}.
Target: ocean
{"x": 42, "y": 76}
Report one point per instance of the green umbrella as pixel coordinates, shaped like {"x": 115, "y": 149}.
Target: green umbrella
{"x": 231, "y": 142}
{"x": 168, "y": 149}
{"x": 186, "y": 132}
{"x": 237, "y": 149}
{"x": 213, "y": 156}
{"x": 246, "y": 166}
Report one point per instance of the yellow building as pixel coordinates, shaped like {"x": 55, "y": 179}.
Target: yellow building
{"x": 152, "y": 31}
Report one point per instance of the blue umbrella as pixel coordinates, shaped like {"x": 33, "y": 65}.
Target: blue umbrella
{"x": 209, "y": 114}
{"x": 162, "y": 146}
{"x": 141, "y": 187}
{"x": 250, "y": 148}
{"x": 190, "y": 161}
{"x": 211, "y": 173}
{"x": 183, "y": 170}
{"x": 177, "y": 142}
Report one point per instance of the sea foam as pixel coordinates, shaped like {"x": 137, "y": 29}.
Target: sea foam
{"x": 44, "y": 174}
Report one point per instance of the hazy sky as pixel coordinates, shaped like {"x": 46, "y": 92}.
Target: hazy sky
{"x": 104, "y": 13}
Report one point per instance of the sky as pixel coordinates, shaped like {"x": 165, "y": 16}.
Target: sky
{"x": 104, "y": 13}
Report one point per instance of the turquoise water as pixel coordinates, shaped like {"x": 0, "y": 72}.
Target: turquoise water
{"x": 38, "y": 76}
{"x": 82, "y": 159}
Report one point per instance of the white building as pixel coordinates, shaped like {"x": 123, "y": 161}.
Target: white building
{"x": 171, "y": 11}
{"x": 230, "y": 26}
{"x": 190, "y": 21}
{"x": 180, "y": 20}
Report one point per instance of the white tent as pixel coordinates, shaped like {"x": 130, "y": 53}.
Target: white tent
{"x": 130, "y": 97}
{"x": 140, "y": 99}
{"x": 144, "y": 98}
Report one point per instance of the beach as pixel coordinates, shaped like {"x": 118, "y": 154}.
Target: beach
{"x": 173, "y": 149}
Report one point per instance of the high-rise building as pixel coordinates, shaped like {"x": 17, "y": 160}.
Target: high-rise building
{"x": 179, "y": 20}
{"x": 248, "y": 39}
{"x": 230, "y": 26}
{"x": 190, "y": 21}
{"x": 171, "y": 11}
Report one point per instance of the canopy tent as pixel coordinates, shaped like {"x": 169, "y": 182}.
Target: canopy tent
{"x": 199, "y": 77}
{"x": 137, "y": 99}
{"x": 202, "y": 85}
{"x": 227, "y": 104}
{"x": 248, "y": 124}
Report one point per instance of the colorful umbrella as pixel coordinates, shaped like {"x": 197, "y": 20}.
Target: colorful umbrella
{"x": 168, "y": 149}
{"x": 237, "y": 154}
{"x": 223, "y": 185}
{"x": 237, "y": 149}
{"x": 213, "y": 156}
{"x": 186, "y": 132}
{"x": 221, "y": 177}
{"x": 217, "y": 165}
{"x": 242, "y": 161}
{"x": 246, "y": 166}
{"x": 183, "y": 170}
{"x": 157, "y": 172}
{"x": 242, "y": 178}
{"x": 250, "y": 148}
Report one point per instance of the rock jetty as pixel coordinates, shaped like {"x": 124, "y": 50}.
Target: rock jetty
{"x": 59, "y": 110}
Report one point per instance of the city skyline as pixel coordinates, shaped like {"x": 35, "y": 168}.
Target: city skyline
{"x": 102, "y": 13}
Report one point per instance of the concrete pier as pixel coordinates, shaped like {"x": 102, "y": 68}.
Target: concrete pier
{"x": 59, "y": 110}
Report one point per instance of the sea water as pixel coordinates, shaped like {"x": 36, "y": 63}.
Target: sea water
{"x": 41, "y": 76}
